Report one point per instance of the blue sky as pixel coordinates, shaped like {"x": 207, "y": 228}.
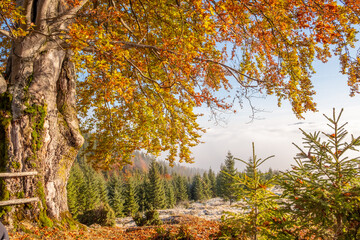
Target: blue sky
{"x": 279, "y": 127}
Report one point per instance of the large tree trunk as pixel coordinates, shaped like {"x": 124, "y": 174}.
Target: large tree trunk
{"x": 39, "y": 128}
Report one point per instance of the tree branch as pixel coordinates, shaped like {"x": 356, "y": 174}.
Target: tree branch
{"x": 27, "y": 6}
{"x": 9, "y": 33}
{"x": 128, "y": 45}
{"x": 70, "y": 13}
{"x": 41, "y": 16}
{"x": 5, "y": 33}
{"x": 141, "y": 73}
{"x": 230, "y": 69}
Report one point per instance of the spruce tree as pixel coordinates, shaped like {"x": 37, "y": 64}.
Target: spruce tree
{"x": 180, "y": 186}
{"x": 102, "y": 189}
{"x": 212, "y": 179}
{"x": 188, "y": 182}
{"x": 130, "y": 205}
{"x": 322, "y": 191}
{"x": 249, "y": 171}
{"x": 259, "y": 205}
{"x": 75, "y": 188}
{"x": 206, "y": 186}
{"x": 88, "y": 195}
{"x": 170, "y": 194}
{"x": 92, "y": 191}
{"x": 219, "y": 182}
{"x": 197, "y": 188}
{"x": 143, "y": 195}
{"x": 156, "y": 191}
{"x": 270, "y": 174}
{"x": 226, "y": 181}
{"x": 161, "y": 169}
{"x": 115, "y": 193}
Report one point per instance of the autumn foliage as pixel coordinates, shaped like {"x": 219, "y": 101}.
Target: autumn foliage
{"x": 197, "y": 228}
{"x": 145, "y": 65}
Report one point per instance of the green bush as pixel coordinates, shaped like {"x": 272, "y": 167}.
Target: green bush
{"x": 102, "y": 215}
{"x": 151, "y": 217}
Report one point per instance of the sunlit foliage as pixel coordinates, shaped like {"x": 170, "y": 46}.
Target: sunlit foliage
{"x": 145, "y": 65}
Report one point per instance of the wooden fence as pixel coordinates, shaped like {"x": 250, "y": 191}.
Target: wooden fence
{"x": 21, "y": 200}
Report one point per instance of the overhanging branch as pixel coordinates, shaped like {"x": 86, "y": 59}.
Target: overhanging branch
{"x": 70, "y": 13}
{"x": 128, "y": 45}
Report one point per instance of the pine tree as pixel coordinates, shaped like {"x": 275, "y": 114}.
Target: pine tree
{"x": 180, "y": 186}
{"x": 130, "y": 205}
{"x": 207, "y": 186}
{"x": 91, "y": 193}
{"x": 115, "y": 189}
{"x": 322, "y": 190}
{"x": 156, "y": 191}
{"x": 225, "y": 180}
{"x": 253, "y": 223}
{"x": 212, "y": 179}
{"x": 197, "y": 188}
{"x": 75, "y": 187}
{"x": 143, "y": 196}
{"x": 249, "y": 171}
{"x": 102, "y": 189}
{"x": 170, "y": 195}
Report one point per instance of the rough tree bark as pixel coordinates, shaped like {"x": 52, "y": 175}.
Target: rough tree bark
{"x": 39, "y": 128}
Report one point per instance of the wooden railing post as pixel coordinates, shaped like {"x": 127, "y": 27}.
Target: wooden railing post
{"x": 21, "y": 200}
{"x": 17, "y": 174}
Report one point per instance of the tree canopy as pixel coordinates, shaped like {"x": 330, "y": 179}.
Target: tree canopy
{"x": 143, "y": 66}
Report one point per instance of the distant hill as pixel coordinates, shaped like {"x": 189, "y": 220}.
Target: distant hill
{"x": 141, "y": 162}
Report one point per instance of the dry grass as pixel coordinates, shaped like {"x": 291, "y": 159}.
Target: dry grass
{"x": 196, "y": 227}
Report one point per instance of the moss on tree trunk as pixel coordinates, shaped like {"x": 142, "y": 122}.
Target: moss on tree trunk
{"x": 38, "y": 130}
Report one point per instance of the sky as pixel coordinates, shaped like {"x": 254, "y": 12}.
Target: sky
{"x": 277, "y": 128}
